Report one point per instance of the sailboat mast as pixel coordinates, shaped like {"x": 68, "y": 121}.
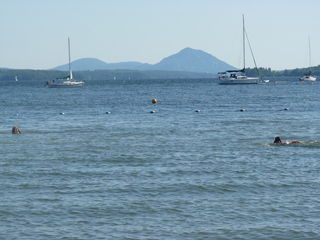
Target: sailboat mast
{"x": 309, "y": 55}
{"x": 244, "y": 44}
{"x": 70, "y": 71}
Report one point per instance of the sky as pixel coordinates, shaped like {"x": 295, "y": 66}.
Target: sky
{"x": 34, "y": 33}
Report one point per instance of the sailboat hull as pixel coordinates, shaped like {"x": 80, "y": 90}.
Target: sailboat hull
{"x": 235, "y": 81}
{"x": 65, "y": 84}
{"x": 308, "y": 78}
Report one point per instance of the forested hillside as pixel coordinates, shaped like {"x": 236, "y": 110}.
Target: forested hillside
{"x": 267, "y": 72}
{"x": 47, "y": 75}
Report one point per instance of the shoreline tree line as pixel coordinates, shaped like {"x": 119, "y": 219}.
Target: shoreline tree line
{"x": 120, "y": 74}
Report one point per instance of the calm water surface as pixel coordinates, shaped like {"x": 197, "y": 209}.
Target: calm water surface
{"x": 172, "y": 174}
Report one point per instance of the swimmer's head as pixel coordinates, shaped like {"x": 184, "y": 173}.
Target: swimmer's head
{"x": 15, "y": 130}
{"x": 277, "y": 140}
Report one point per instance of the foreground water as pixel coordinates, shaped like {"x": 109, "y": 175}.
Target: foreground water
{"x": 173, "y": 174}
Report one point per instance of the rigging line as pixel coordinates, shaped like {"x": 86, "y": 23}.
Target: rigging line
{"x": 254, "y": 60}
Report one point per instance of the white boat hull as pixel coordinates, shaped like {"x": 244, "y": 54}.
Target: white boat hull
{"x": 235, "y": 81}
{"x": 65, "y": 84}
{"x": 308, "y": 78}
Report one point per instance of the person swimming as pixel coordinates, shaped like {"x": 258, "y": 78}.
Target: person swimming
{"x": 15, "y": 130}
{"x": 277, "y": 140}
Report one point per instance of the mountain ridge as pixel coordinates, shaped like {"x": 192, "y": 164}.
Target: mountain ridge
{"x": 188, "y": 59}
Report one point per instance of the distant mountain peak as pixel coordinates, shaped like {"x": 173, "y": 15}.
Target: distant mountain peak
{"x": 189, "y": 49}
{"x": 192, "y": 60}
{"x": 188, "y": 59}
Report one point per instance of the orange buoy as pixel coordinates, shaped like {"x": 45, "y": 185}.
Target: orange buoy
{"x": 154, "y": 100}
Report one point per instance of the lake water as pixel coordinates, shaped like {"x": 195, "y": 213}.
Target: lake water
{"x": 173, "y": 174}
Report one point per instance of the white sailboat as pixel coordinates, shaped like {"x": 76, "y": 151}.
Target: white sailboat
{"x": 238, "y": 76}
{"x": 308, "y": 76}
{"x": 66, "y": 82}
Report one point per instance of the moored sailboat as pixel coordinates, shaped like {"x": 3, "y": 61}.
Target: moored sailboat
{"x": 66, "y": 82}
{"x": 307, "y": 76}
{"x": 232, "y": 77}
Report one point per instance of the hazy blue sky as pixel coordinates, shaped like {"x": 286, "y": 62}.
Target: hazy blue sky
{"x": 34, "y": 33}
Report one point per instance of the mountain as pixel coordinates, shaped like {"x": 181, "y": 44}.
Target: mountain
{"x": 192, "y": 60}
{"x": 188, "y": 59}
{"x": 92, "y": 64}
{"x": 83, "y": 64}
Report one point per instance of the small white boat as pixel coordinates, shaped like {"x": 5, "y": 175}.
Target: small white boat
{"x": 265, "y": 80}
{"x": 308, "y": 76}
{"x": 238, "y": 76}
{"x": 16, "y": 78}
{"x": 66, "y": 82}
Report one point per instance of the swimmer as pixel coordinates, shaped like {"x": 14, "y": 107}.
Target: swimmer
{"x": 277, "y": 140}
{"x": 16, "y": 130}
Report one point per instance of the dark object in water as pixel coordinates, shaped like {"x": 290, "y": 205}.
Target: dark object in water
{"x": 15, "y": 130}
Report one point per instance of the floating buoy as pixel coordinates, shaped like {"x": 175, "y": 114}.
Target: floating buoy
{"x": 198, "y": 111}
{"x": 275, "y": 82}
{"x": 152, "y": 111}
{"x": 242, "y": 110}
{"x": 154, "y": 100}
{"x": 286, "y": 109}
{"x": 108, "y": 112}
{"x": 62, "y": 113}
